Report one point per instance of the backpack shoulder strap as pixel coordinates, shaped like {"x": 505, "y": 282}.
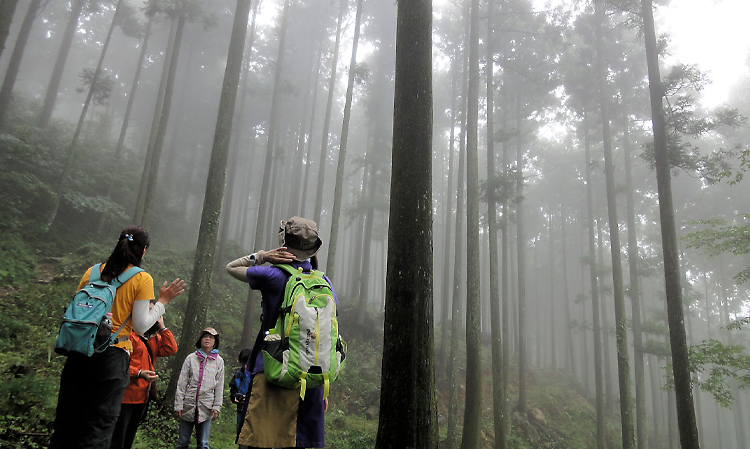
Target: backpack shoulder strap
{"x": 125, "y": 276}
{"x": 96, "y": 273}
{"x": 290, "y": 270}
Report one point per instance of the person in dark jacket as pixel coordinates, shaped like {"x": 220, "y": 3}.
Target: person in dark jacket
{"x": 239, "y": 384}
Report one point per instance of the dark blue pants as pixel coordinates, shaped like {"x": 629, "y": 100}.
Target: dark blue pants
{"x": 91, "y": 391}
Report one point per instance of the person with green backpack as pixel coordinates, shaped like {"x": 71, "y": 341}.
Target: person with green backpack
{"x": 298, "y": 351}
{"x": 93, "y": 380}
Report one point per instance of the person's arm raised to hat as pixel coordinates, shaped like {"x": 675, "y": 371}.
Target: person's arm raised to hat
{"x": 238, "y": 267}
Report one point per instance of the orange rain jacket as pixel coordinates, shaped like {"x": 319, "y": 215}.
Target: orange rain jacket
{"x": 162, "y": 344}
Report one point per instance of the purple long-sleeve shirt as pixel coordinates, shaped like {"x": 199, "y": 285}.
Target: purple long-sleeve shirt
{"x": 271, "y": 282}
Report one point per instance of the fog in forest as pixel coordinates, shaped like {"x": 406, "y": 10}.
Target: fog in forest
{"x": 544, "y": 166}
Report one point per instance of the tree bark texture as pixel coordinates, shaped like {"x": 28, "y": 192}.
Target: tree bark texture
{"x": 200, "y": 283}
{"x": 473, "y": 404}
{"x": 677, "y": 338}
{"x": 408, "y": 401}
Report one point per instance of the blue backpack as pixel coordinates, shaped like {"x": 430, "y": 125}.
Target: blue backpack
{"x": 87, "y": 312}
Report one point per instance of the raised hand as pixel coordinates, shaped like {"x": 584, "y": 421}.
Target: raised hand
{"x": 168, "y": 293}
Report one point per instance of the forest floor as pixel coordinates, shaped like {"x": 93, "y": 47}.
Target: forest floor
{"x": 560, "y": 415}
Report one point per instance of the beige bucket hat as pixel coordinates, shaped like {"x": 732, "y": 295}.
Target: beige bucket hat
{"x": 300, "y": 237}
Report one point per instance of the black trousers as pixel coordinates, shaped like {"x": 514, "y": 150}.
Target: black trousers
{"x": 127, "y": 425}
{"x": 91, "y": 391}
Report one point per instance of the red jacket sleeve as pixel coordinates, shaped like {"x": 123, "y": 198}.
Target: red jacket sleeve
{"x": 134, "y": 367}
{"x": 163, "y": 344}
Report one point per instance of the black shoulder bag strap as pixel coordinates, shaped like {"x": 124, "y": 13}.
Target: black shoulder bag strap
{"x": 151, "y": 367}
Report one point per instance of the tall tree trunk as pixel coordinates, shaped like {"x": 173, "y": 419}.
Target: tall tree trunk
{"x": 128, "y": 110}
{"x": 696, "y": 389}
{"x": 364, "y": 273}
{"x": 521, "y": 250}
{"x": 200, "y": 283}
{"x": 621, "y": 329}
{"x": 62, "y": 56}
{"x": 570, "y": 359}
{"x": 7, "y": 10}
{"x": 473, "y": 402}
{"x": 155, "y": 120}
{"x": 598, "y": 362}
{"x": 452, "y": 368}
{"x": 295, "y": 199}
{"x": 609, "y": 394}
{"x": 14, "y": 64}
{"x": 338, "y": 190}
{"x": 254, "y": 295}
{"x": 327, "y": 119}
{"x": 445, "y": 285}
{"x": 61, "y": 184}
{"x": 496, "y": 332}
{"x": 263, "y": 206}
{"x": 502, "y": 438}
{"x": 148, "y": 199}
{"x": 678, "y": 342}
{"x": 232, "y": 182}
{"x": 553, "y": 317}
{"x": 634, "y": 290}
{"x": 410, "y": 419}
{"x": 308, "y": 160}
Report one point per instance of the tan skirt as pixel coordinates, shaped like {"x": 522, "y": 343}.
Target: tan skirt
{"x": 271, "y": 418}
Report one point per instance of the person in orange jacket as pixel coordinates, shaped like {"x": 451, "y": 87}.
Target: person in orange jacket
{"x": 156, "y": 342}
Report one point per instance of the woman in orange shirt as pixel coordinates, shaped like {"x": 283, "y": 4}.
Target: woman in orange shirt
{"x": 91, "y": 388}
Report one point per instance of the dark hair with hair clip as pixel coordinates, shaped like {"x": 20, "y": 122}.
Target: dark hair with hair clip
{"x": 128, "y": 251}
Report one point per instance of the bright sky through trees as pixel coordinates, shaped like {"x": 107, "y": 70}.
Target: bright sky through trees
{"x": 713, "y": 35}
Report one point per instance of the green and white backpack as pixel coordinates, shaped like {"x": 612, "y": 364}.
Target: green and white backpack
{"x": 304, "y": 349}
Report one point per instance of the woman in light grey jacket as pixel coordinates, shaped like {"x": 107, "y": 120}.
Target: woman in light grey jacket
{"x": 199, "y": 390}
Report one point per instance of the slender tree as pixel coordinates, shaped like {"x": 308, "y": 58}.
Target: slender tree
{"x": 339, "y": 186}
{"x": 621, "y": 329}
{"x": 200, "y": 283}
{"x": 458, "y": 261}
{"x": 128, "y": 110}
{"x": 677, "y": 338}
{"x": 253, "y": 296}
{"x": 634, "y": 289}
{"x": 408, "y": 412}
{"x": 327, "y": 118}
{"x": 166, "y": 109}
{"x": 93, "y": 88}
{"x": 15, "y": 59}
{"x": 445, "y": 307}
{"x": 497, "y": 346}
{"x": 598, "y": 359}
{"x": 473, "y": 406}
{"x": 62, "y": 57}
{"x": 7, "y": 10}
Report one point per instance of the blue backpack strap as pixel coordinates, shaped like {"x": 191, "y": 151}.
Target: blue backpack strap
{"x": 125, "y": 276}
{"x": 96, "y": 273}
